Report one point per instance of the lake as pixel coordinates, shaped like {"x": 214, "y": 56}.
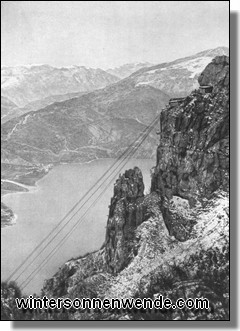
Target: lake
{"x": 41, "y": 209}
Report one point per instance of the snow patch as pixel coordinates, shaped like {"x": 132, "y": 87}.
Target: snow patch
{"x": 142, "y": 83}
{"x": 195, "y": 66}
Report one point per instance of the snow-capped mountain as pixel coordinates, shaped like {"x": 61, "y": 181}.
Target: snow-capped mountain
{"x": 179, "y": 77}
{"x": 24, "y": 84}
{"x": 127, "y": 69}
{"x": 37, "y": 86}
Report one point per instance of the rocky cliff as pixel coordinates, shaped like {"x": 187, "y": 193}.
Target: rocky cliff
{"x": 216, "y": 73}
{"x": 193, "y": 154}
{"x": 179, "y": 77}
{"x": 126, "y": 213}
{"x": 174, "y": 240}
{"x": 7, "y": 215}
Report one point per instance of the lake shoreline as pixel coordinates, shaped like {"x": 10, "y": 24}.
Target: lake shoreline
{"x": 31, "y": 188}
{"x": 39, "y": 211}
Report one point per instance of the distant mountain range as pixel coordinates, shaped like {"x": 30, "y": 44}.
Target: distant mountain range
{"x": 175, "y": 239}
{"x": 96, "y": 125}
{"x": 35, "y": 87}
{"x": 179, "y": 77}
{"x": 78, "y": 127}
{"x": 35, "y": 105}
{"x": 60, "y": 125}
{"x": 24, "y": 84}
{"x": 127, "y": 69}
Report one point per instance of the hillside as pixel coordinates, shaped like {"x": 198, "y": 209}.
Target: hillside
{"x": 7, "y": 108}
{"x": 179, "y": 77}
{"x": 175, "y": 240}
{"x": 42, "y": 103}
{"x": 24, "y": 84}
{"x": 127, "y": 69}
{"x": 36, "y": 87}
{"x": 100, "y": 124}
{"x": 91, "y": 126}
{"x": 95, "y": 125}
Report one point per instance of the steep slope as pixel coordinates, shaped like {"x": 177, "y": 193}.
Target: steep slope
{"x": 7, "y": 108}
{"x": 39, "y": 104}
{"x": 193, "y": 155}
{"x": 42, "y": 103}
{"x": 24, "y": 84}
{"x": 95, "y": 125}
{"x": 128, "y": 69}
{"x": 101, "y": 124}
{"x": 7, "y": 215}
{"x": 35, "y": 87}
{"x": 180, "y": 77}
{"x": 175, "y": 240}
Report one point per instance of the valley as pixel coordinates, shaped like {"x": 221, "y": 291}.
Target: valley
{"x": 84, "y": 126}
{"x": 52, "y": 156}
{"x": 115, "y": 150}
{"x": 24, "y": 84}
{"x": 175, "y": 78}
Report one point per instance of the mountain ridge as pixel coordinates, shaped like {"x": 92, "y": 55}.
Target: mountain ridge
{"x": 173, "y": 241}
{"x": 127, "y": 69}
{"x": 173, "y": 78}
{"x": 24, "y": 84}
{"x": 8, "y": 108}
{"x": 137, "y": 106}
{"x": 179, "y": 77}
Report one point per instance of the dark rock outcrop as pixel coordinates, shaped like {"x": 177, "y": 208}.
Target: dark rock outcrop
{"x": 7, "y": 215}
{"x": 173, "y": 241}
{"x": 193, "y": 154}
{"x": 126, "y": 213}
{"x": 216, "y": 73}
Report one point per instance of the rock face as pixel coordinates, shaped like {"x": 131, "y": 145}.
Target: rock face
{"x": 175, "y": 240}
{"x": 193, "y": 154}
{"x": 40, "y": 85}
{"x": 7, "y": 215}
{"x": 126, "y": 213}
{"x": 179, "y": 77}
{"x": 216, "y": 73}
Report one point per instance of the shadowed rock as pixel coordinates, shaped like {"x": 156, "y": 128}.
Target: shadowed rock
{"x": 125, "y": 214}
{"x": 193, "y": 154}
{"x": 216, "y": 73}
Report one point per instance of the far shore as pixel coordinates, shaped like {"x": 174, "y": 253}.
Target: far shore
{"x": 35, "y": 187}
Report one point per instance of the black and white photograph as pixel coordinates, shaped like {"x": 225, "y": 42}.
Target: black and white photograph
{"x": 115, "y": 161}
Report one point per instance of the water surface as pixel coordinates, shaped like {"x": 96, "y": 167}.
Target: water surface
{"x": 40, "y": 210}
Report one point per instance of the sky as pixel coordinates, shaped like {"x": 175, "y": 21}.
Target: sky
{"x": 107, "y": 34}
